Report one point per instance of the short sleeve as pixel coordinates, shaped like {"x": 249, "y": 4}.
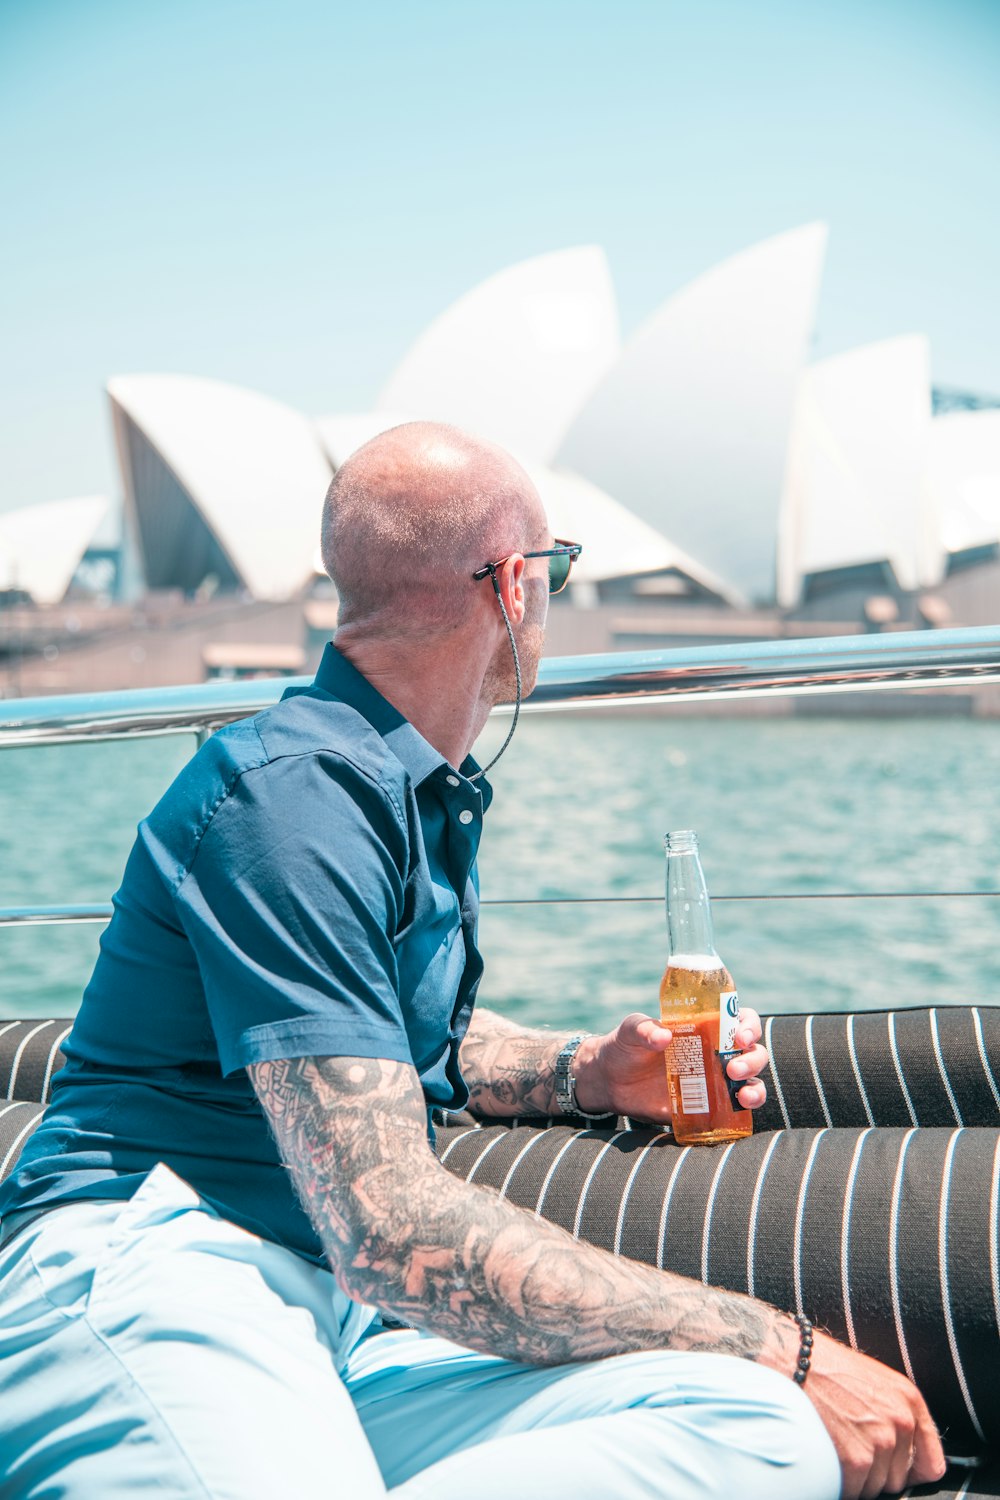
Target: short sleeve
{"x": 291, "y": 905}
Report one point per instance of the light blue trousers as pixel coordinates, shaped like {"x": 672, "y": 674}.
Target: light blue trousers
{"x": 153, "y": 1348}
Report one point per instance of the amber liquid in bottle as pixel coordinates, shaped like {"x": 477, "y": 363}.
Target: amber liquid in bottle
{"x": 698, "y": 1001}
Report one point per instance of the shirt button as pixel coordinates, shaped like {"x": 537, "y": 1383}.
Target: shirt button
{"x": 453, "y": 781}
{"x": 465, "y": 816}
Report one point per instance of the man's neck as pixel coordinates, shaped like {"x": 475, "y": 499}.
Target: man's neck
{"x": 436, "y": 687}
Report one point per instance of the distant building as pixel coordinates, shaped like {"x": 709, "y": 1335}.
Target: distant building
{"x": 856, "y": 494}
{"x": 41, "y": 546}
{"x": 223, "y": 487}
{"x": 689, "y": 428}
{"x": 623, "y": 557}
{"x": 963, "y": 471}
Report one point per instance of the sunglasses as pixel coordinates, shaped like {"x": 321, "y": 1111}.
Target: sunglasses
{"x": 561, "y": 559}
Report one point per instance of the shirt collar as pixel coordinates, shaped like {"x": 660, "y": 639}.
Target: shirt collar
{"x": 340, "y": 679}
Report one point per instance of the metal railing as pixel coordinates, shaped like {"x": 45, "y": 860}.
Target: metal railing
{"x": 836, "y": 664}
{"x": 830, "y": 664}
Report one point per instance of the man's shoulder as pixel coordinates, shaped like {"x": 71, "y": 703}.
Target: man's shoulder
{"x": 264, "y": 749}
{"x": 312, "y": 723}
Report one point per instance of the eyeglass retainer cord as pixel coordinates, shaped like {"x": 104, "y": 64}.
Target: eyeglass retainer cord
{"x": 517, "y": 677}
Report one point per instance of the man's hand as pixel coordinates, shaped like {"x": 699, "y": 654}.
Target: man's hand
{"x": 877, "y": 1419}
{"x": 623, "y": 1071}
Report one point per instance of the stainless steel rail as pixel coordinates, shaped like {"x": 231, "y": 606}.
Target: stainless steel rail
{"x": 39, "y": 916}
{"x": 832, "y": 664}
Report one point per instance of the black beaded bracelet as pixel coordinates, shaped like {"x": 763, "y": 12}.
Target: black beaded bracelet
{"x": 805, "y": 1348}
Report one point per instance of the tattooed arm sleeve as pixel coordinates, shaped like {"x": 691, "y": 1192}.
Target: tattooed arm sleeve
{"x": 403, "y": 1234}
{"x": 508, "y": 1069}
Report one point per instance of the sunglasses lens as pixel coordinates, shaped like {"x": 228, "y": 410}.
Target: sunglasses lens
{"x": 559, "y": 567}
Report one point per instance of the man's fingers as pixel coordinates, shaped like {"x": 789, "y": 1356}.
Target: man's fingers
{"x": 917, "y": 1457}
{"x": 898, "y": 1475}
{"x": 877, "y": 1480}
{"x": 749, "y": 1027}
{"x": 748, "y": 1064}
{"x": 899, "y": 1465}
{"x": 752, "y": 1095}
{"x": 645, "y": 1029}
{"x": 928, "y": 1461}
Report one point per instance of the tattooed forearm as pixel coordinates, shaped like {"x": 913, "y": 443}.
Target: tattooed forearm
{"x": 509, "y": 1071}
{"x": 400, "y": 1233}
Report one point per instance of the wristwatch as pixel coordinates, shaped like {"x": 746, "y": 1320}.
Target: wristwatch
{"x": 566, "y": 1083}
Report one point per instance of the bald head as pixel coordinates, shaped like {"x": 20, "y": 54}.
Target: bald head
{"x": 411, "y": 515}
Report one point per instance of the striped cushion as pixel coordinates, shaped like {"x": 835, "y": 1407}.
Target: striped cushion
{"x": 904, "y": 1067}
{"x": 29, "y": 1056}
{"x": 17, "y": 1120}
{"x": 917, "y": 1067}
{"x": 887, "y": 1237}
{"x": 960, "y": 1484}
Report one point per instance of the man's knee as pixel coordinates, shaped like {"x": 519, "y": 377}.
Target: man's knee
{"x": 735, "y": 1418}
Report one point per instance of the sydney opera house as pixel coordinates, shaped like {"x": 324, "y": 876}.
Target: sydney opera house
{"x": 720, "y": 481}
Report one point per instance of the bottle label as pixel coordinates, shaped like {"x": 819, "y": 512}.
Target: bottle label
{"x": 687, "y": 1057}
{"x": 729, "y": 1015}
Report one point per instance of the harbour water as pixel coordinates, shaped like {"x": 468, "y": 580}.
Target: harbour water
{"x": 788, "y": 807}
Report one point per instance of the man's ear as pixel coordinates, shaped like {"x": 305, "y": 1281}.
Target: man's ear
{"x": 510, "y": 579}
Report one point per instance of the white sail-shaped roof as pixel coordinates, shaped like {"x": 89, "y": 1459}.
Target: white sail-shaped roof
{"x": 856, "y": 489}
{"x": 513, "y": 359}
{"x": 41, "y": 545}
{"x": 963, "y": 471}
{"x": 616, "y": 544}
{"x": 218, "y": 481}
{"x": 690, "y": 427}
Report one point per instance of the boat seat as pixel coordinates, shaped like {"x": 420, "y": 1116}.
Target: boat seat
{"x": 868, "y": 1194}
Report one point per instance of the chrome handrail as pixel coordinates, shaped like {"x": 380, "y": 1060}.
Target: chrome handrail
{"x": 828, "y": 664}
{"x": 61, "y": 916}
{"x": 40, "y": 916}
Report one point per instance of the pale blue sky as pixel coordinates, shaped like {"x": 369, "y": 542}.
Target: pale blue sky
{"x": 284, "y": 194}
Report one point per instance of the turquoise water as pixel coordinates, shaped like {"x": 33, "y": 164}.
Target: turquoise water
{"x": 581, "y": 805}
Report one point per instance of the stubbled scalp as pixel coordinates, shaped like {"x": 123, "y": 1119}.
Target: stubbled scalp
{"x": 413, "y": 513}
{"x": 403, "y": 1234}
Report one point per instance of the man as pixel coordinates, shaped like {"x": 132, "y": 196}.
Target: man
{"x": 284, "y": 990}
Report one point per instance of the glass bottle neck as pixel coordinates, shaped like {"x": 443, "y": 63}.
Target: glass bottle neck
{"x": 689, "y": 915}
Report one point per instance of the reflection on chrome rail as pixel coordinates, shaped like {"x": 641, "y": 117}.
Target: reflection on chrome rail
{"x": 830, "y": 664}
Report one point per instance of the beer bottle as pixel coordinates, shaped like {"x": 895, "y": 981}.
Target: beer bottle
{"x": 698, "y": 1002}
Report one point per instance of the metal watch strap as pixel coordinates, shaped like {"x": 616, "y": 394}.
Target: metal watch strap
{"x": 565, "y": 1083}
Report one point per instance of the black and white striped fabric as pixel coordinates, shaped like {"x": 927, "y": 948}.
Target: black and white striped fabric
{"x": 29, "y": 1056}
{"x": 18, "y": 1119}
{"x": 961, "y": 1484}
{"x": 936, "y": 1066}
{"x": 902, "y": 1067}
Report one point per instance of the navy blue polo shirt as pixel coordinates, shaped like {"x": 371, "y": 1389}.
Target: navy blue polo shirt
{"x": 306, "y": 887}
